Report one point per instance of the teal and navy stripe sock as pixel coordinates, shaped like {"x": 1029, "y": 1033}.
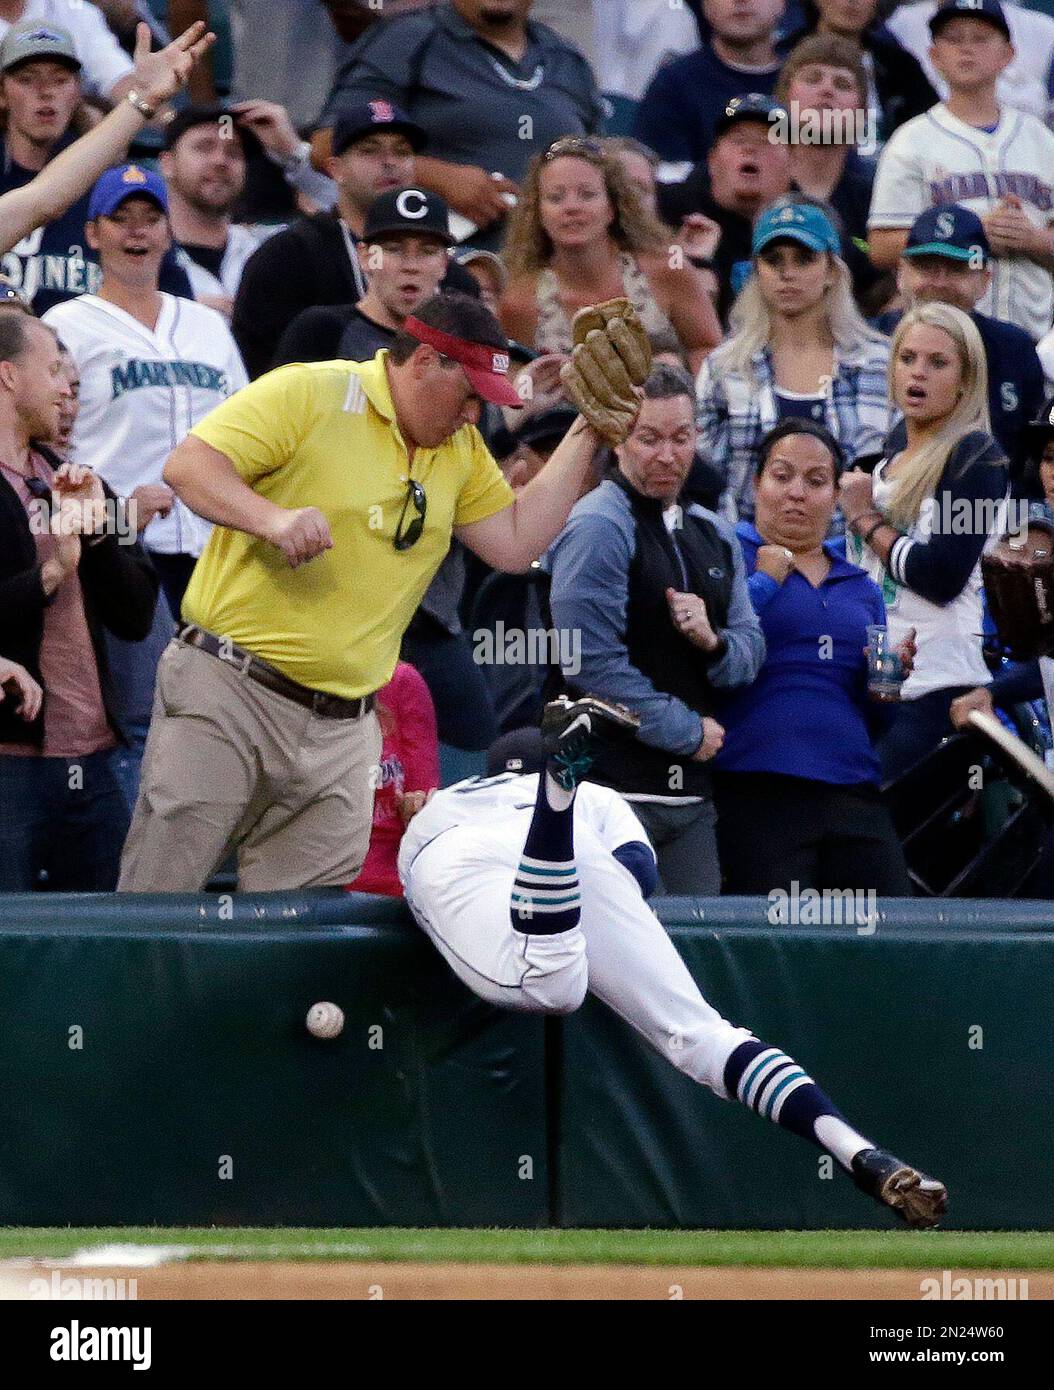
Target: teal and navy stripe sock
{"x": 768, "y": 1081}
{"x": 545, "y": 896}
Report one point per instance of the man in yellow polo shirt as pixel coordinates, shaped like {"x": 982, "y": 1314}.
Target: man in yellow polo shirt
{"x": 335, "y": 488}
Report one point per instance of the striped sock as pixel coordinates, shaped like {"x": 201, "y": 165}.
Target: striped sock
{"x": 545, "y": 896}
{"x": 768, "y": 1081}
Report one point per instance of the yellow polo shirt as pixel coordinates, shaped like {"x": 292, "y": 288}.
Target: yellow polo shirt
{"x": 323, "y": 435}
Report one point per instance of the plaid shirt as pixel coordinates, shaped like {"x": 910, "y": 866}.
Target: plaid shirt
{"x": 735, "y": 414}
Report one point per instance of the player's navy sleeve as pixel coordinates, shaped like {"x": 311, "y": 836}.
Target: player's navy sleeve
{"x": 938, "y": 567}
{"x": 640, "y": 860}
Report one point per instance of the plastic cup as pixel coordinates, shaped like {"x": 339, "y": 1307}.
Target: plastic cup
{"x": 885, "y": 670}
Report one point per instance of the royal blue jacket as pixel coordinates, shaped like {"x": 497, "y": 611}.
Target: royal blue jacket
{"x": 808, "y": 713}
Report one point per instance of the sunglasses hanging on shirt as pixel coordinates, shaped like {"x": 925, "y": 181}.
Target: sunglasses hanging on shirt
{"x": 408, "y": 534}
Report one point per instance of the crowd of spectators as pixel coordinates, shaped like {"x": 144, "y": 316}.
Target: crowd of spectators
{"x": 212, "y": 308}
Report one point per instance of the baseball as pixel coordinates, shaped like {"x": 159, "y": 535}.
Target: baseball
{"x": 325, "y": 1020}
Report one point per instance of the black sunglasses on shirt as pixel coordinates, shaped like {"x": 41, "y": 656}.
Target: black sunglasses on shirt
{"x": 411, "y": 534}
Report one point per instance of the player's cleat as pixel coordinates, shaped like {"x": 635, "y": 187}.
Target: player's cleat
{"x": 572, "y": 730}
{"x": 920, "y": 1200}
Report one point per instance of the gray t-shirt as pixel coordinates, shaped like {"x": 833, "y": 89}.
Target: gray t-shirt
{"x": 477, "y": 105}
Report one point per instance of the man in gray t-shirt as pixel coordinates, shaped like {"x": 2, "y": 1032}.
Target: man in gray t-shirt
{"x": 491, "y": 87}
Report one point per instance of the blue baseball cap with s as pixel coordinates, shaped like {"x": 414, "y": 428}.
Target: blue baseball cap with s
{"x": 122, "y": 182}
{"x": 950, "y": 230}
{"x": 804, "y": 223}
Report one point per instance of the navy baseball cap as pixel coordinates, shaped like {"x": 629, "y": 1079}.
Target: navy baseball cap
{"x": 522, "y": 751}
{"x": 804, "y": 223}
{"x": 410, "y": 210}
{"x": 369, "y": 117}
{"x": 126, "y": 181}
{"x": 753, "y": 106}
{"x": 989, "y": 10}
{"x": 952, "y": 231}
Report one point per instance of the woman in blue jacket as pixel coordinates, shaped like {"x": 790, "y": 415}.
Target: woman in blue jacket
{"x": 797, "y": 778}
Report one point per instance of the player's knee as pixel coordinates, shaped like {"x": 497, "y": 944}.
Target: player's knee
{"x": 561, "y": 992}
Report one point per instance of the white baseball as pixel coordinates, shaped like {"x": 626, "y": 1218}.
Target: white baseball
{"x": 325, "y": 1020}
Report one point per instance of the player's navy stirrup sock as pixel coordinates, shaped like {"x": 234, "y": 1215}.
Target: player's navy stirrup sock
{"x": 545, "y": 897}
{"x": 768, "y": 1081}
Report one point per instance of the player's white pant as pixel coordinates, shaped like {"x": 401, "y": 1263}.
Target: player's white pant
{"x": 458, "y": 888}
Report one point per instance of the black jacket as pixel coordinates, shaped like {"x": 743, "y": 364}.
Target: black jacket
{"x": 699, "y": 561}
{"x": 120, "y": 594}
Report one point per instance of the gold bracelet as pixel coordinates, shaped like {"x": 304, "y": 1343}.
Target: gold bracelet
{"x": 143, "y": 107}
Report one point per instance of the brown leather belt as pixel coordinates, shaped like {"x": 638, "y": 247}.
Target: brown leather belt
{"x": 326, "y": 706}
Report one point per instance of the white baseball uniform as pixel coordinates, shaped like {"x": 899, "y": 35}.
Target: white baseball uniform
{"x": 141, "y": 393}
{"x": 457, "y": 862}
{"x": 936, "y": 158}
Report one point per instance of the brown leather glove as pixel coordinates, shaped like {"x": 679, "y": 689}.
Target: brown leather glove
{"x": 1019, "y": 583}
{"x": 611, "y": 359}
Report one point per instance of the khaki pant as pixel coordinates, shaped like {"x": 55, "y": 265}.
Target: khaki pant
{"x": 231, "y": 765}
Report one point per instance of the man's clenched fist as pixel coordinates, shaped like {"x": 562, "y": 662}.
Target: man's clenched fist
{"x": 301, "y": 534}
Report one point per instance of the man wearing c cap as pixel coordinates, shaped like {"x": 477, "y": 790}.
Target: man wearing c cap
{"x": 263, "y": 736}
{"x": 403, "y": 259}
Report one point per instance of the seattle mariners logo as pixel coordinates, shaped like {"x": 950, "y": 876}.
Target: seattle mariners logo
{"x": 945, "y": 224}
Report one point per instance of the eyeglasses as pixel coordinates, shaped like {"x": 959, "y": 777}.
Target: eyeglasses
{"x": 404, "y": 539}
{"x": 574, "y": 145}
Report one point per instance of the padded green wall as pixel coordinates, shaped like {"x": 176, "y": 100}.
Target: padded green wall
{"x": 194, "y": 1049}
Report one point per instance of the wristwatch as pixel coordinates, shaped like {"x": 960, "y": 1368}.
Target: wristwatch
{"x": 142, "y": 106}
{"x": 293, "y": 163}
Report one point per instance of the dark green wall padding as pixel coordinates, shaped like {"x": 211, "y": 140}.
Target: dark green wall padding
{"x": 195, "y": 1063}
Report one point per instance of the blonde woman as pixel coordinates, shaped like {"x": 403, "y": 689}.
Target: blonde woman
{"x": 918, "y": 525}
{"x": 799, "y": 348}
{"x": 581, "y": 234}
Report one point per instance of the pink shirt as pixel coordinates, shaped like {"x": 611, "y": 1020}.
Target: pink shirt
{"x": 409, "y": 763}
{"x": 75, "y": 723}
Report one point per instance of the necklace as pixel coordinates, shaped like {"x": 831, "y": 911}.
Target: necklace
{"x": 523, "y": 84}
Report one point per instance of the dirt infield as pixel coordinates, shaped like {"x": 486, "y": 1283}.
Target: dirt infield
{"x": 340, "y": 1280}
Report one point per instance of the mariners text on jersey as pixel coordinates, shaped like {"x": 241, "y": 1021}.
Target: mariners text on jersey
{"x": 136, "y": 373}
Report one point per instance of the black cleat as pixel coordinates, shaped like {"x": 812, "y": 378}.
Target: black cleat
{"x": 572, "y": 730}
{"x": 919, "y": 1200}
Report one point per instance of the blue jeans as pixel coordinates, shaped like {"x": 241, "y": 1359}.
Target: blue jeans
{"x": 57, "y": 836}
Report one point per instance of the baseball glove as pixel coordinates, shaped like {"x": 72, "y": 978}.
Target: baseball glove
{"x": 611, "y": 358}
{"x": 1019, "y": 583}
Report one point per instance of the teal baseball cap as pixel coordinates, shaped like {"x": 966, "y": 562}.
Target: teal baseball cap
{"x": 787, "y": 220}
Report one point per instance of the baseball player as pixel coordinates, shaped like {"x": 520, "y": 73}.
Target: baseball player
{"x": 532, "y": 888}
{"x": 995, "y": 161}
{"x": 151, "y": 366}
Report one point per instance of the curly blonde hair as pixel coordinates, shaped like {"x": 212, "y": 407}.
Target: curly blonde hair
{"x": 528, "y": 246}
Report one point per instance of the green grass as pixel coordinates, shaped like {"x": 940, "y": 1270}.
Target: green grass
{"x": 930, "y": 1250}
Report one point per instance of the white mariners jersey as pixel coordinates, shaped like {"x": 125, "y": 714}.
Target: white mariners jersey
{"x": 936, "y": 158}
{"x": 505, "y": 804}
{"x": 142, "y": 392}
